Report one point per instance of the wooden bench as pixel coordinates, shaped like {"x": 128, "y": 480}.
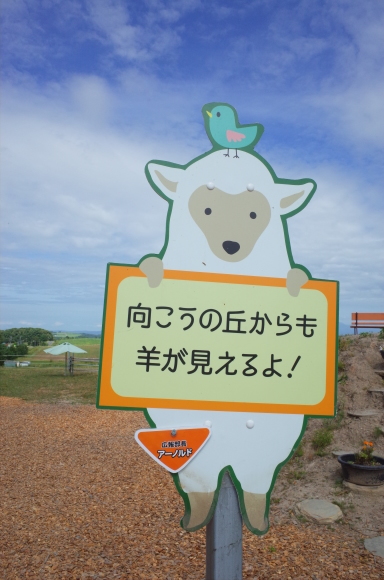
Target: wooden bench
{"x": 367, "y": 320}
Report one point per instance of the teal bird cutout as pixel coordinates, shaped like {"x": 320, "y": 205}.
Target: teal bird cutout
{"x": 224, "y": 130}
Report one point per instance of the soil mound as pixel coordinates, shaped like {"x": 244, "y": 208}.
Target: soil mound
{"x": 314, "y": 472}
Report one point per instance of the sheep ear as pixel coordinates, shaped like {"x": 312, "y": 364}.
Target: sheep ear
{"x": 164, "y": 178}
{"x": 294, "y": 196}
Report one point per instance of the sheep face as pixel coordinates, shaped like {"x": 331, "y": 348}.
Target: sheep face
{"x": 231, "y": 224}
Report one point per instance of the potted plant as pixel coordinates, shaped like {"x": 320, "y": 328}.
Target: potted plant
{"x": 363, "y": 468}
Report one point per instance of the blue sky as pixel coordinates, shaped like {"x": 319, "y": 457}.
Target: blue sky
{"x": 94, "y": 89}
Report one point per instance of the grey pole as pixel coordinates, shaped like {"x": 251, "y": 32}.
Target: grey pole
{"x": 224, "y": 558}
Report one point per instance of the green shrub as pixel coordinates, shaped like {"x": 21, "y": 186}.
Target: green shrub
{"x": 344, "y": 342}
{"x": 299, "y": 451}
{"x": 296, "y": 474}
{"x": 322, "y": 439}
{"x": 12, "y": 352}
{"x": 377, "y": 432}
{"x": 340, "y": 366}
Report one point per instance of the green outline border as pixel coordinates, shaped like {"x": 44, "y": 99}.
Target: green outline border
{"x": 239, "y": 491}
{"x": 276, "y": 180}
{"x": 228, "y": 468}
{"x": 284, "y": 219}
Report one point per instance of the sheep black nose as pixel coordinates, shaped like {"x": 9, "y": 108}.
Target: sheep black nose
{"x": 231, "y": 247}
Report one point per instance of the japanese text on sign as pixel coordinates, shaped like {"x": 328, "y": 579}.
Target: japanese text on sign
{"x": 201, "y": 359}
{"x": 212, "y": 319}
{"x": 195, "y": 341}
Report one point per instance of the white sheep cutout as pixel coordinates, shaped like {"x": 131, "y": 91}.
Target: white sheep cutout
{"x": 227, "y": 215}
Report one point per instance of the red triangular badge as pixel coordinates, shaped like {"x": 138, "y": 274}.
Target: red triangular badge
{"x": 173, "y": 449}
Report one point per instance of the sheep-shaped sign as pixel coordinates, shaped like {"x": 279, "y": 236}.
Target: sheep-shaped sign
{"x": 225, "y": 342}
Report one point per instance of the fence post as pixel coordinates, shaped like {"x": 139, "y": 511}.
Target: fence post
{"x": 224, "y": 558}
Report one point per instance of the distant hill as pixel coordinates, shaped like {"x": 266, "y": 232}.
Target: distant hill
{"x": 76, "y": 334}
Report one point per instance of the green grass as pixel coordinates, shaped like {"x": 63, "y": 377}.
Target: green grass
{"x": 345, "y": 342}
{"x": 344, "y": 506}
{"x": 340, "y": 366}
{"x": 65, "y": 335}
{"x": 335, "y": 422}
{"x": 321, "y": 439}
{"x": 48, "y": 385}
{"x": 343, "y": 378}
{"x": 377, "y": 432}
{"x": 45, "y": 381}
{"x": 296, "y": 474}
{"x": 299, "y": 451}
{"x": 80, "y": 342}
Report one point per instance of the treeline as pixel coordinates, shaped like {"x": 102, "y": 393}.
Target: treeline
{"x": 62, "y": 335}
{"x": 12, "y": 352}
{"x": 31, "y": 336}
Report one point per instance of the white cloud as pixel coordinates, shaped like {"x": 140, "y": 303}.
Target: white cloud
{"x": 338, "y": 236}
{"x": 75, "y": 196}
{"x": 28, "y": 323}
{"x": 140, "y": 35}
{"x": 92, "y": 98}
{"x": 69, "y": 185}
{"x": 74, "y": 150}
{"x": 356, "y": 112}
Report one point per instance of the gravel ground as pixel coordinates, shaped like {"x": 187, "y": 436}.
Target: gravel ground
{"x": 80, "y": 499}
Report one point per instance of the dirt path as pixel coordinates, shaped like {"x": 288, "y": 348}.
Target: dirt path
{"x": 81, "y": 500}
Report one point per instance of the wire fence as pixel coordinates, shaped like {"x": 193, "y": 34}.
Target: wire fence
{"x": 83, "y": 364}
{"x": 45, "y": 361}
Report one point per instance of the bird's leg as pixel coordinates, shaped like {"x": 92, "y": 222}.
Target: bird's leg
{"x": 236, "y": 155}
{"x": 227, "y": 153}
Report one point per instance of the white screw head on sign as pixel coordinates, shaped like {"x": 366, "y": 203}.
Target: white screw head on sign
{"x": 210, "y": 185}
{"x": 208, "y": 424}
{"x": 250, "y": 424}
{"x": 173, "y": 432}
{"x": 250, "y": 187}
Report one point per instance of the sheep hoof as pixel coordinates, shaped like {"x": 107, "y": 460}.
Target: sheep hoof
{"x": 296, "y": 278}
{"x": 153, "y": 269}
{"x": 255, "y": 506}
{"x": 200, "y": 507}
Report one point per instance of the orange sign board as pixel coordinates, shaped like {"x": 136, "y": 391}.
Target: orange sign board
{"x": 173, "y": 449}
{"x": 218, "y": 342}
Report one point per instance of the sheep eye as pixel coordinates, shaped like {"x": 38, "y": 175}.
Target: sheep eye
{"x": 252, "y": 215}
{"x": 208, "y": 211}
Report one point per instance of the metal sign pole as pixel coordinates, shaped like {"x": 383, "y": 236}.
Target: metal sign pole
{"x": 224, "y": 556}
